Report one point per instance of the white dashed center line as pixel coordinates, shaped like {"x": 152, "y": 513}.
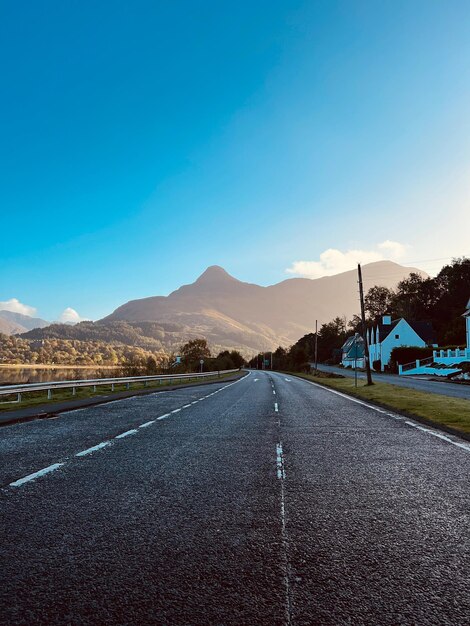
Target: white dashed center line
{"x": 93, "y": 449}
{"x": 126, "y": 434}
{"x": 42, "y": 472}
{"x": 276, "y": 408}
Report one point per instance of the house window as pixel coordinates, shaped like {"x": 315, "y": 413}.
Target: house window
{"x": 397, "y": 336}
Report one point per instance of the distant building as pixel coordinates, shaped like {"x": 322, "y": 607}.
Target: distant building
{"x": 352, "y": 352}
{"x": 387, "y": 335}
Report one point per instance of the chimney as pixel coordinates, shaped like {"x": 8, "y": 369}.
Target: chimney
{"x": 386, "y": 320}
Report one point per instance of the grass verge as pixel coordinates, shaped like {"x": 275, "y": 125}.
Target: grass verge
{"x": 452, "y": 413}
{"x": 39, "y": 398}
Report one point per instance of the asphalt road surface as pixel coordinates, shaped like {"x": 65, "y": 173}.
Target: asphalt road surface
{"x": 265, "y": 501}
{"x": 453, "y": 390}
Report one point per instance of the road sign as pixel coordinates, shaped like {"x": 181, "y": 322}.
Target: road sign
{"x": 201, "y": 361}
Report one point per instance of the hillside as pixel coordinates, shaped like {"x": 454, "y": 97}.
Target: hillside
{"x": 230, "y": 313}
{"x": 12, "y": 323}
{"x": 235, "y": 314}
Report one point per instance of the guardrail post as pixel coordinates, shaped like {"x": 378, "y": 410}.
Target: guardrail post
{"x": 74, "y": 391}
{"x": 94, "y": 388}
{"x": 145, "y": 383}
{"x": 112, "y": 386}
{"x": 49, "y": 394}
{"x": 128, "y": 386}
{"x": 19, "y": 397}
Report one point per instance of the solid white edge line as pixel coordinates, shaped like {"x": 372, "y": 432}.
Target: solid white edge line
{"x": 397, "y": 417}
{"x": 126, "y": 434}
{"x": 26, "y": 479}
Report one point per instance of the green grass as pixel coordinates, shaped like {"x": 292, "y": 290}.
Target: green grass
{"x": 38, "y": 398}
{"x": 441, "y": 410}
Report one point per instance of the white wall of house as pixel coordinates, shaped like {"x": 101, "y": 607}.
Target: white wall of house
{"x": 401, "y": 335}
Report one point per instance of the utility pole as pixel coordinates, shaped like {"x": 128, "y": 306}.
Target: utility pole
{"x": 364, "y": 333}
{"x": 316, "y": 346}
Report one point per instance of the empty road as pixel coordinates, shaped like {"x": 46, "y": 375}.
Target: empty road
{"x": 265, "y": 501}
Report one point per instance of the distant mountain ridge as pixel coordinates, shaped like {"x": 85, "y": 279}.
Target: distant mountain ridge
{"x": 12, "y": 323}
{"x": 235, "y": 314}
{"x": 231, "y": 314}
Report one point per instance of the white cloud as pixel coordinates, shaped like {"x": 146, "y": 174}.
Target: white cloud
{"x": 334, "y": 261}
{"x": 70, "y": 316}
{"x": 15, "y": 306}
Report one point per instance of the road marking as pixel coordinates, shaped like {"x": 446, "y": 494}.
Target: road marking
{"x": 276, "y": 408}
{"x": 176, "y": 410}
{"x": 281, "y": 473}
{"x": 458, "y": 444}
{"x": 186, "y": 406}
{"x": 274, "y": 392}
{"x": 287, "y": 380}
{"x": 163, "y": 417}
{"x": 126, "y": 434}
{"x": 439, "y": 435}
{"x": 26, "y": 479}
{"x": 147, "y": 424}
{"x": 195, "y": 402}
{"x": 93, "y": 449}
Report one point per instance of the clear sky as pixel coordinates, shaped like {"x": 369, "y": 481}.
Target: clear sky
{"x": 141, "y": 142}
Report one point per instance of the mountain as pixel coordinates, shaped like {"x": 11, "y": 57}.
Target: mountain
{"x": 13, "y": 323}
{"x": 234, "y": 314}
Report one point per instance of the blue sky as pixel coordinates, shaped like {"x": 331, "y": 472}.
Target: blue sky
{"x": 143, "y": 141}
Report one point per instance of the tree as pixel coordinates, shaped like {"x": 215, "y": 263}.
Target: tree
{"x": 195, "y": 350}
{"x": 378, "y": 301}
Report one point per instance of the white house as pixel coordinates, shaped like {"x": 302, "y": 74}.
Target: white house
{"x": 383, "y": 337}
{"x": 442, "y": 362}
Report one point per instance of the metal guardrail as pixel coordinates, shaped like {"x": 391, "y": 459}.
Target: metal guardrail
{"x": 18, "y": 390}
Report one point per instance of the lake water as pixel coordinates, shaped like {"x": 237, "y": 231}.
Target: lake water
{"x": 19, "y": 375}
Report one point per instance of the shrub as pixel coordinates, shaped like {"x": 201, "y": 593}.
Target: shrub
{"x": 407, "y": 354}
{"x": 377, "y": 365}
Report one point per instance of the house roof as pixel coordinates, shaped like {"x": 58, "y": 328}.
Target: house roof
{"x": 424, "y": 329}
{"x": 386, "y": 329}
{"x": 350, "y": 342}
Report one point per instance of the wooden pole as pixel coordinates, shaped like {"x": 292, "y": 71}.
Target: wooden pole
{"x": 364, "y": 332}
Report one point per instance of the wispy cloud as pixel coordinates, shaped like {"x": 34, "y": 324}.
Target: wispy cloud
{"x": 333, "y": 261}
{"x": 15, "y": 306}
{"x": 70, "y": 316}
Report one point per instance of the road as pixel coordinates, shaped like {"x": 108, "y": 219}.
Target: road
{"x": 453, "y": 390}
{"x": 265, "y": 501}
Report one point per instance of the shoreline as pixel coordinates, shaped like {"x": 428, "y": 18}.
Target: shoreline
{"x": 56, "y": 366}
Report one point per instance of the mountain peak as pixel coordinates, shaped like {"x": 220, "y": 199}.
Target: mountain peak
{"x": 215, "y": 273}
